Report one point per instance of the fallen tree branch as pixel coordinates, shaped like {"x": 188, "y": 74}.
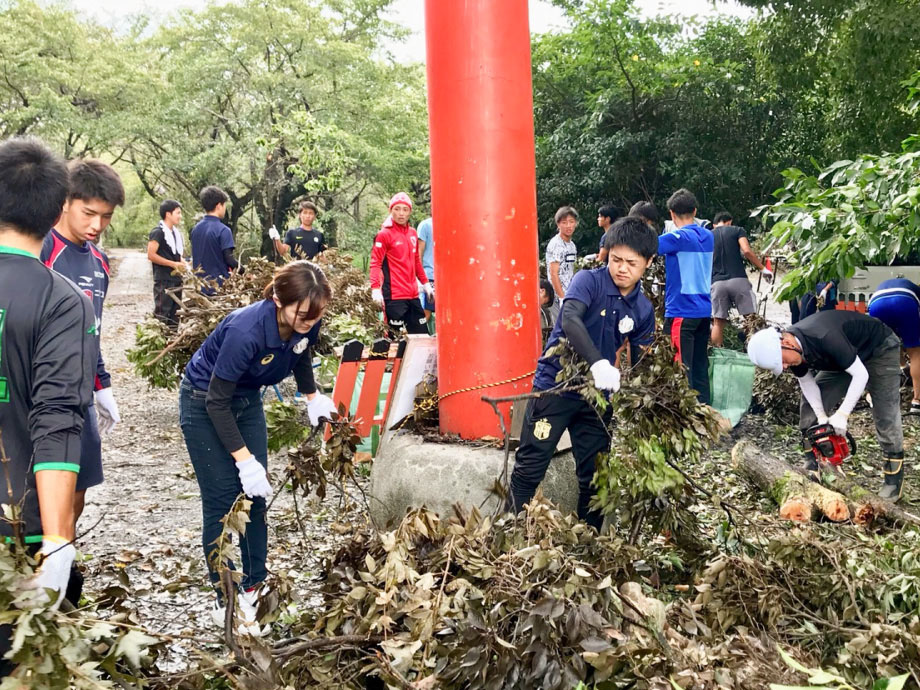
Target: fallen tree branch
{"x": 799, "y": 498}
{"x": 326, "y": 642}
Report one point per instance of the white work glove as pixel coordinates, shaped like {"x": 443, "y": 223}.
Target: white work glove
{"x": 822, "y": 420}
{"x": 428, "y": 290}
{"x": 273, "y": 233}
{"x": 320, "y": 406}
{"x": 54, "y": 570}
{"x": 107, "y": 410}
{"x": 591, "y": 257}
{"x": 767, "y": 273}
{"x": 253, "y": 478}
{"x": 377, "y": 296}
{"x": 838, "y": 420}
{"x": 606, "y": 376}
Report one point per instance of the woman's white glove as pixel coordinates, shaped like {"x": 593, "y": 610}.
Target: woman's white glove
{"x": 606, "y": 376}
{"x": 321, "y": 406}
{"x": 54, "y": 570}
{"x": 253, "y": 478}
{"x": 107, "y": 410}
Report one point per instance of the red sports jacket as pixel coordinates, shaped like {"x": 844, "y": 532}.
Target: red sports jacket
{"x": 395, "y": 262}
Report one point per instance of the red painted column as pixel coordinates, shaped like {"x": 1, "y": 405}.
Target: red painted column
{"x": 483, "y": 180}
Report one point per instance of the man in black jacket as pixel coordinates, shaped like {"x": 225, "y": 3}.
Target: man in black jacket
{"x": 48, "y": 355}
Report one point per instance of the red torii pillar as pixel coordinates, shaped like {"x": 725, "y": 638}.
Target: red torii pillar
{"x": 483, "y": 182}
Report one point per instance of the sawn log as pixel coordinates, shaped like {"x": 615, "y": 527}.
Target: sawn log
{"x": 798, "y": 497}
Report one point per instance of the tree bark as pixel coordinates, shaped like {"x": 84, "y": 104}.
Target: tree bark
{"x": 799, "y": 498}
{"x": 867, "y": 506}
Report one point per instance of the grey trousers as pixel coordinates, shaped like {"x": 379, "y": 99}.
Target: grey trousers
{"x": 884, "y": 386}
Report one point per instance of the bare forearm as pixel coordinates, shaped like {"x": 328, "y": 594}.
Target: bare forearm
{"x": 55, "y": 490}
{"x": 752, "y": 257}
{"x": 554, "y": 279}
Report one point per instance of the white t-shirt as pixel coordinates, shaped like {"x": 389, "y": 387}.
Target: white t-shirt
{"x": 563, "y": 253}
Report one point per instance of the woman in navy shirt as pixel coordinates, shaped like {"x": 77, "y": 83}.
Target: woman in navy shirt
{"x": 222, "y": 418}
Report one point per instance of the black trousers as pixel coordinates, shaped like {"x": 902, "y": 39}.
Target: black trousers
{"x": 164, "y": 306}
{"x": 406, "y": 313}
{"x": 544, "y": 421}
{"x": 690, "y": 337}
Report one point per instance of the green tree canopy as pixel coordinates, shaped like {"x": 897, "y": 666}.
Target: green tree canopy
{"x": 850, "y": 214}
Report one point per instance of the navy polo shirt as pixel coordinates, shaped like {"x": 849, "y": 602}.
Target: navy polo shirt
{"x": 247, "y": 348}
{"x": 210, "y": 237}
{"x": 610, "y": 319}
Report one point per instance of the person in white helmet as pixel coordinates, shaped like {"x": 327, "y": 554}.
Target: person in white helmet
{"x": 850, "y": 352}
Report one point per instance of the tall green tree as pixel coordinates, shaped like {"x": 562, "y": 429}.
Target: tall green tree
{"x": 852, "y": 213}
{"x": 837, "y": 66}
{"x": 630, "y": 109}
{"x": 64, "y": 79}
{"x": 277, "y": 100}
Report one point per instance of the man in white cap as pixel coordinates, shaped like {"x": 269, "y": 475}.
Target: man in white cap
{"x": 851, "y": 352}
{"x": 396, "y": 270}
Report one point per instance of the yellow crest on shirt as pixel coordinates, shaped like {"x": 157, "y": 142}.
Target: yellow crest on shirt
{"x": 603, "y": 312}
{"x": 267, "y": 359}
{"x": 542, "y": 429}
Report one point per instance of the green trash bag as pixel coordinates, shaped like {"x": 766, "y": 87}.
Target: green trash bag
{"x": 731, "y": 383}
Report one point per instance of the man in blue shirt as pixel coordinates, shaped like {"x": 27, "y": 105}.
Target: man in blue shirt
{"x": 687, "y": 252}
{"x": 604, "y": 312}
{"x": 426, "y": 249}
{"x": 896, "y": 303}
{"x": 606, "y": 214}
{"x": 212, "y": 241}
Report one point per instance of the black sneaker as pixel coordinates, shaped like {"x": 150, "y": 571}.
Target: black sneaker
{"x": 914, "y": 410}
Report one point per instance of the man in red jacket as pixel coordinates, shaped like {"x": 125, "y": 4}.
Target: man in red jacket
{"x": 396, "y": 270}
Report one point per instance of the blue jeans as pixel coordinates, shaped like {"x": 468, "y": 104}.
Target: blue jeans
{"x": 218, "y": 479}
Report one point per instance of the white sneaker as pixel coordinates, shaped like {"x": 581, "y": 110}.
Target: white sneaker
{"x": 245, "y": 614}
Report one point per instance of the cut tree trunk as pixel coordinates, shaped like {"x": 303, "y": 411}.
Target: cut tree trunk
{"x": 799, "y": 498}
{"x": 867, "y": 506}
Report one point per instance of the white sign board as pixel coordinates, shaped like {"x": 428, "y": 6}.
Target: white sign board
{"x": 419, "y": 361}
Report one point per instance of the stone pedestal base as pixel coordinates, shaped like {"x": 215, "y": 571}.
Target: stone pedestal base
{"x": 410, "y": 473}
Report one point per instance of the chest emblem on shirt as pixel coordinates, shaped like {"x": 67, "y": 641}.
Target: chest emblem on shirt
{"x": 626, "y": 325}
{"x": 542, "y": 429}
{"x": 603, "y": 312}
{"x": 267, "y": 359}
{"x": 300, "y": 346}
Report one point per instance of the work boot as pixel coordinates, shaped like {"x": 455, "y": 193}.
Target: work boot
{"x": 894, "y": 479}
